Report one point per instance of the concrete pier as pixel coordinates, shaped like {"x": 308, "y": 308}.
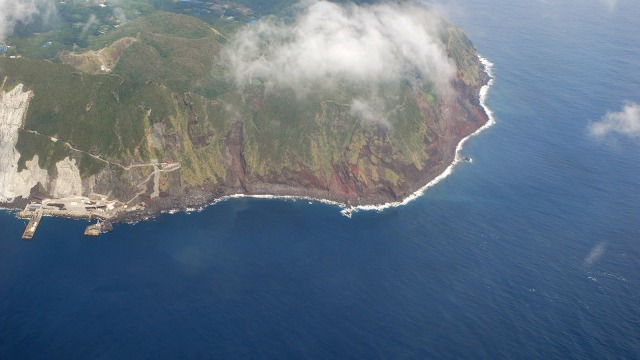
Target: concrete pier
{"x": 93, "y": 230}
{"x": 32, "y": 226}
{"x": 77, "y": 207}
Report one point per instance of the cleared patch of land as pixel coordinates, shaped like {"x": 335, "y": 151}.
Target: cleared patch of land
{"x": 100, "y": 61}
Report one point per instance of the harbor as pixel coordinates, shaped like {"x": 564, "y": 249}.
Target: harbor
{"x": 79, "y": 207}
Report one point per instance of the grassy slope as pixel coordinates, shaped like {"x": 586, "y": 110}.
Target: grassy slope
{"x": 111, "y": 115}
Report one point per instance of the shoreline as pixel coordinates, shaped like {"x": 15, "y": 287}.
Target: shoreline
{"x": 136, "y": 216}
{"x": 484, "y": 90}
{"x": 348, "y": 210}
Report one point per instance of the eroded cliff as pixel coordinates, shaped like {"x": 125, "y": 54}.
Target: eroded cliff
{"x": 163, "y": 130}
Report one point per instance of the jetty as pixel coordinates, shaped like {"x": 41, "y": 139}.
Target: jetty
{"x": 98, "y": 228}
{"x": 78, "y": 207}
{"x": 93, "y": 230}
{"x": 34, "y": 220}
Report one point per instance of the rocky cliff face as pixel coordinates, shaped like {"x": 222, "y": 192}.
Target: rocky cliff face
{"x": 14, "y": 183}
{"x": 18, "y": 183}
{"x": 133, "y": 137}
{"x": 375, "y": 163}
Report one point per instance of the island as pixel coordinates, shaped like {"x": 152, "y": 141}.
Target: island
{"x": 122, "y": 112}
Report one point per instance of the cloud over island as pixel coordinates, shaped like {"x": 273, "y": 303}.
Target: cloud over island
{"x": 15, "y": 11}
{"x": 327, "y": 43}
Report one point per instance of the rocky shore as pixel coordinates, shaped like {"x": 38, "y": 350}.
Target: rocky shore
{"x": 199, "y": 197}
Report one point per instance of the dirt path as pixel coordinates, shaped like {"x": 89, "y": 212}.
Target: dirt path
{"x": 154, "y": 163}
{"x": 156, "y": 176}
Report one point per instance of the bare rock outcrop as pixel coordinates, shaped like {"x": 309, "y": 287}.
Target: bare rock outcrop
{"x": 14, "y": 183}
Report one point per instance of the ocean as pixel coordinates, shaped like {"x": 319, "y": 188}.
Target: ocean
{"x": 530, "y": 251}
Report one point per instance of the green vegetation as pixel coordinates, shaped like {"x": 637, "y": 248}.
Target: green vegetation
{"x": 76, "y": 25}
{"x": 182, "y": 60}
{"x": 48, "y": 152}
{"x": 168, "y": 97}
{"x": 464, "y": 54}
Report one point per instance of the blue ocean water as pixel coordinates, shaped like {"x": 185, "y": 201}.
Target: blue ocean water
{"x": 531, "y": 251}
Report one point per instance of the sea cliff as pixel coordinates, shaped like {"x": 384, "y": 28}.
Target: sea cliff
{"x": 142, "y": 140}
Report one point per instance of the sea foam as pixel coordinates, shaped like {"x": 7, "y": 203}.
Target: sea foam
{"x": 347, "y": 211}
{"x": 488, "y": 67}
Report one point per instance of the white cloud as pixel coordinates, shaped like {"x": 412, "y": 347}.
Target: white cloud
{"x": 611, "y": 4}
{"x": 625, "y": 122}
{"x": 328, "y": 43}
{"x": 14, "y": 11}
{"x": 119, "y": 14}
{"x": 369, "y": 110}
{"x": 92, "y": 21}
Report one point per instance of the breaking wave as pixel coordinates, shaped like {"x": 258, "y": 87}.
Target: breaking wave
{"x": 347, "y": 211}
{"x": 484, "y": 90}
